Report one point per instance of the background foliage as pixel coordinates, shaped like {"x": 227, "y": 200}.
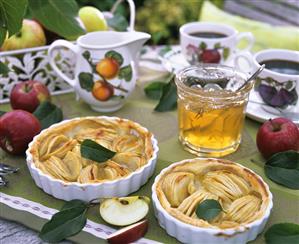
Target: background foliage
{"x": 168, "y": 16}
{"x": 59, "y": 16}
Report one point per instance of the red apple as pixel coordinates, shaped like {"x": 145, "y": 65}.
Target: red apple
{"x": 17, "y": 128}
{"x": 28, "y": 95}
{"x": 129, "y": 234}
{"x": 277, "y": 135}
{"x": 30, "y": 35}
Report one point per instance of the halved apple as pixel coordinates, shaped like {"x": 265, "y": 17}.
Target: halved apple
{"x": 129, "y": 234}
{"x": 124, "y": 210}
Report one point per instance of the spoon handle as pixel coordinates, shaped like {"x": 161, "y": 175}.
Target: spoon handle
{"x": 256, "y": 73}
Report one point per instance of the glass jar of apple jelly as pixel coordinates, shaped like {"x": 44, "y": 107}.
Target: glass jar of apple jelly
{"x": 211, "y": 108}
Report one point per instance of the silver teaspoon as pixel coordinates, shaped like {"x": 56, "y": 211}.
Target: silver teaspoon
{"x": 256, "y": 73}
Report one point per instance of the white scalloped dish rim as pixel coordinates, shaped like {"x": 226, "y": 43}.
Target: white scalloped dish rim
{"x": 231, "y": 235}
{"x": 130, "y": 178}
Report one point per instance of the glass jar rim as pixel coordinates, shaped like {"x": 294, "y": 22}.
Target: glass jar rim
{"x": 200, "y": 92}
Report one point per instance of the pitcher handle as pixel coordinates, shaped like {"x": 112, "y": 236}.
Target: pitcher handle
{"x": 57, "y": 44}
{"x": 132, "y": 12}
{"x": 247, "y": 56}
{"x": 250, "y": 38}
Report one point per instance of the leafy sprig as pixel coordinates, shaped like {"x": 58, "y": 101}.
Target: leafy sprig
{"x": 282, "y": 233}
{"x": 283, "y": 168}
{"x": 70, "y": 220}
{"x": 91, "y": 150}
{"x": 165, "y": 91}
{"x": 208, "y": 209}
{"x": 48, "y": 113}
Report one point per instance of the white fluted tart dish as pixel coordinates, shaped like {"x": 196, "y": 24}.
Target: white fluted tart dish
{"x": 55, "y": 162}
{"x": 245, "y": 199}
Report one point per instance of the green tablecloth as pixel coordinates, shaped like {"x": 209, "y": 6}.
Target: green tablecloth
{"x": 164, "y": 126}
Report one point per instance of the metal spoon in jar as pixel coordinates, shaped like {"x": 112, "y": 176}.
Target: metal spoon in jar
{"x": 256, "y": 73}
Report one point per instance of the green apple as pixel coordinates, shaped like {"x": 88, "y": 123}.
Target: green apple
{"x": 123, "y": 211}
{"x": 93, "y": 19}
{"x": 30, "y": 35}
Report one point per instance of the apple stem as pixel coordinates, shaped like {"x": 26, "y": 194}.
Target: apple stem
{"x": 120, "y": 88}
{"x": 115, "y": 87}
{"x": 276, "y": 127}
{"x": 27, "y": 88}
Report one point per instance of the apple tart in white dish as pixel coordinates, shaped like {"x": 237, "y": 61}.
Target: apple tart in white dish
{"x": 244, "y": 197}
{"x": 55, "y": 160}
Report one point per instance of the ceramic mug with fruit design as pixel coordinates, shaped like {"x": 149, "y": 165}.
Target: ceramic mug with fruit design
{"x": 206, "y": 42}
{"x": 278, "y": 83}
{"x": 105, "y": 70}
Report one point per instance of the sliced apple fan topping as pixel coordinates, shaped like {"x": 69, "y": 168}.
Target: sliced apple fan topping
{"x": 180, "y": 192}
{"x": 59, "y": 150}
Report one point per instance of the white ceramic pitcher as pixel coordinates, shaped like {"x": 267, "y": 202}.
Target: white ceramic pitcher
{"x": 105, "y": 70}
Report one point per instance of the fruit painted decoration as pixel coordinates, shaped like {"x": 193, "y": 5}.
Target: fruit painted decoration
{"x": 28, "y": 95}
{"x": 102, "y": 90}
{"x": 277, "y": 94}
{"x": 203, "y": 54}
{"x": 108, "y": 68}
{"x": 277, "y": 135}
{"x": 17, "y": 129}
{"x": 124, "y": 211}
{"x": 210, "y": 56}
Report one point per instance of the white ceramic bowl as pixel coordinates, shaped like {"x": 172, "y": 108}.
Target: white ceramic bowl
{"x": 187, "y": 233}
{"x": 86, "y": 192}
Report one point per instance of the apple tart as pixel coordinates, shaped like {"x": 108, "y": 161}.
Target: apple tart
{"x": 56, "y": 151}
{"x": 243, "y": 196}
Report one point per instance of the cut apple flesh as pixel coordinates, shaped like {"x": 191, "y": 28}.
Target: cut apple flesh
{"x": 129, "y": 234}
{"x": 124, "y": 210}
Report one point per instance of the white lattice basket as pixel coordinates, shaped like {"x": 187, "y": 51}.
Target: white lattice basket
{"x": 33, "y": 64}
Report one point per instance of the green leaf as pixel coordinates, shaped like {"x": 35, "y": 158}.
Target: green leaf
{"x": 156, "y": 37}
{"x": 208, "y": 209}
{"x": 202, "y": 45}
{"x": 2, "y": 112}
{"x": 73, "y": 204}
{"x": 58, "y": 16}
{"x": 217, "y": 45}
{"x": 168, "y": 100}
{"x": 225, "y": 53}
{"x": 258, "y": 82}
{"x": 289, "y": 85}
{"x": 64, "y": 224}
{"x": 2, "y": 34}
{"x": 154, "y": 90}
{"x": 283, "y": 168}
{"x": 3, "y": 69}
{"x": 165, "y": 50}
{"x": 125, "y": 73}
{"x": 48, "y": 114}
{"x": 116, "y": 56}
{"x": 282, "y": 233}
{"x": 86, "y": 81}
{"x": 86, "y": 55}
{"x": 94, "y": 151}
{"x": 118, "y": 22}
{"x": 11, "y": 17}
